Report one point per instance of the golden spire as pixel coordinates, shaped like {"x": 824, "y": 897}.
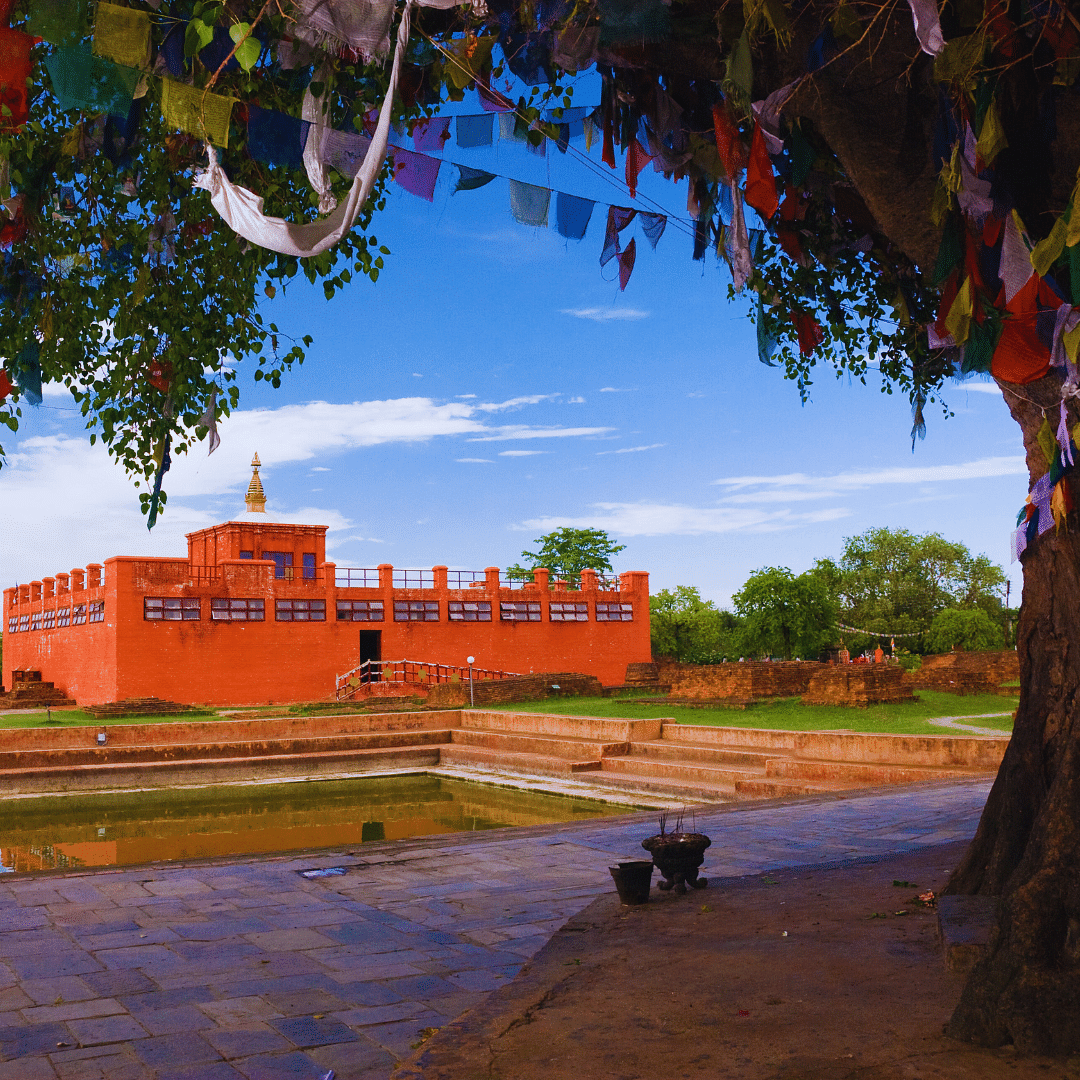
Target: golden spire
{"x": 256, "y": 500}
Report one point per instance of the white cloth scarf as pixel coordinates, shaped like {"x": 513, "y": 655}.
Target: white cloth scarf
{"x": 927, "y": 25}
{"x": 363, "y": 25}
{"x": 242, "y": 209}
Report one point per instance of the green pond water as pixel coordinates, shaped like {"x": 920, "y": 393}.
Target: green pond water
{"x": 51, "y": 833}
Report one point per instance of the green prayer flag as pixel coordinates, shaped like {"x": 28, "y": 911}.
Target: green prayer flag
{"x": 84, "y": 81}
{"x": 960, "y": 60}
{"x": 739, "y": 77}
{"x": 1047, "y": 441}
{"x": 122, "y": 35}
{"x": 60, "y": 22}
{"x": 991, "y": 136}
{"x": 981, "y": 343}
{"x": 802, "y": 156}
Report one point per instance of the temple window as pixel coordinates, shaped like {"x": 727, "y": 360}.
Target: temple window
{"x": 614, "y": 612}
{"x": 97, "y": 611}
{"x": 230, "y": 610}
{"x": 247, "y": 554}
{"x": 300, "y": 611}
{"x": 520, "y": 611}
{"x": 568, "y": 612}
{"x": 309, "y": 566}
{"x": 468, "y": 611}
{"x": 49, "y": 620}
{"x": 63, "y": 617}
{"x": 172, "y": 609}
{"x": 78, "y": 615}
{"x": 13, "y": 624}
{"x": 416, "y": 611}
{"x": 35, "y": 621}
{"x": 360, "y": 611}
{"x": 282, "y": 563}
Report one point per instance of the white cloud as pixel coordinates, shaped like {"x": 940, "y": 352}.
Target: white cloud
{"x": 465, "y": 397}
{"x": 798, "y": 487}
{"x": 576, "y": 401}
{"x": 319, "y": 468}
{"x": 631, "y": 449}
{"x": 516, "y": 403}
{"x": 91, "y": 511}
{"x": 595, "y": 314}
{"x": 662, "y": 519}
{"x": 615, "y": 390}
{"x": 417, "y": 375}
{"x": 522, "y": 453}
{"x": 522, "y": 432}
{"x": 977, "y": 387}
{"x": 475, "y": 461}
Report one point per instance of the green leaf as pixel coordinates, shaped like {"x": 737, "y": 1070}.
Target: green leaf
{"x": 197, "y": 36}
{"x": 249, "y": 48}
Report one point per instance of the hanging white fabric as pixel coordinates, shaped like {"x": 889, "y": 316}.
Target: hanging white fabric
{"x": 317, "y": 112}
{"x": 927, "y": 26}
{"x": 242, "y": 209}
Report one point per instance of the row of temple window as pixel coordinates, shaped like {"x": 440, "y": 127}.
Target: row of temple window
{"x": 58, "y": 617}
{"x": 184, "y": 609}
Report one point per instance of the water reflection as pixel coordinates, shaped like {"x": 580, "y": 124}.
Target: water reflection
{"x": 162, "y": 826}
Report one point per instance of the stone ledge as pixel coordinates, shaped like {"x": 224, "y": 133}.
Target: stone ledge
{"x": 965, "y": 924}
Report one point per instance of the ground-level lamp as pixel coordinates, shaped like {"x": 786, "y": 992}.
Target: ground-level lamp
{"x": 470, "y": 660}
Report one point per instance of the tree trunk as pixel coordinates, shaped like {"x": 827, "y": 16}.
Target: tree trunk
{"x": 1026, "y": 990}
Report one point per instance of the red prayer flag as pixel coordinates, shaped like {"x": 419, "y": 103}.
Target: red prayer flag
{"x": 6, "y": 385}
{"x": 810, "y": 334}
{"x": 608, "y": 155}
{"x": 636, "y": 160}
{"x": 760, "y": 178}
{"x": 159, "y": 375}
{"x": 14, "y": 71}
{"x": 728, "y": 142}
{"x": 1020, "y": 355}
{"x": 626, "y": 263}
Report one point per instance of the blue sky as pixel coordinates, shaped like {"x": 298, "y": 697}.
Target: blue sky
{"x": 493, "y": 386}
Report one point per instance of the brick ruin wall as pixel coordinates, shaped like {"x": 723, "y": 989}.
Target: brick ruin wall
{"x": 537, "y": 687}
{"x": 857, "y": 684}
{"x": 739, "y": 681}
{"x": 967, "y": 672}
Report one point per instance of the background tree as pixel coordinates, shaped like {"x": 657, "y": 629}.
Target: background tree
{"x": 965, "y": 629}
{"x": 686, "y": 628}
{"x": 782, "y": 613}
{"x": 566, "y": 552}
{"x": 892, "y": 581}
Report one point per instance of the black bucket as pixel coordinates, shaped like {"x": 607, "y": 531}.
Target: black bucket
{"x": 633, "y": 879}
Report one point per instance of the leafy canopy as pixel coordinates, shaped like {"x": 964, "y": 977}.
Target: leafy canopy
{"x": 687, "y": 628}
{"x": 782, "y": 613}
{"x": 893, "y": 581}
{"x": 966, "y": 629}
{"x": 566, "y": 552}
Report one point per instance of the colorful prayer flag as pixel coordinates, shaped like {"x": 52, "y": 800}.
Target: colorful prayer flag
{"x": 199, "y": 112}
{"x": 122, "y": 35}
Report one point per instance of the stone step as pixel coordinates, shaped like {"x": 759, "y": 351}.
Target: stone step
{"x": 592, "y": 728}
{"x": 547, "y": 745}
{"x": 502, "y": 761}
{"x": 778, "y": 789}
{"x": 690, "y": 790}
{"x": 729, "y": 737}
{"x": 858, "y": 773}
{"x": 680, "y": 770}
{"x": 252, "y": 749}
{"x": 662, "y": 750}
{"x": 162, "y": 774}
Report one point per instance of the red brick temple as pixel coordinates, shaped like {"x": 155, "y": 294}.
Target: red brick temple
{"x": 256, "y": 614}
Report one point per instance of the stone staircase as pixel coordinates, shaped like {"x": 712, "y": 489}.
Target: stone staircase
{"x": 649, "y": 757}
{"x": 149, "y": 706}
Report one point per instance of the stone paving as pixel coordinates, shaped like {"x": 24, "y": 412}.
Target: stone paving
{"x": 244, "y": 968}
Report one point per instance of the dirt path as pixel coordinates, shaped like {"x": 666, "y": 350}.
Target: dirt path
{"x": 782, "y": 976}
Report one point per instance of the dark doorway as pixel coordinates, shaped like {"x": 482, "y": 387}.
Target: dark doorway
{"x": 370, "y": 649}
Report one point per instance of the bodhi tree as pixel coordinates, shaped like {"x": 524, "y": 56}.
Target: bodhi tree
{"x": 910, "y": 174}
{"x": 566, "y": 552}
{"x": 781, "y": 612}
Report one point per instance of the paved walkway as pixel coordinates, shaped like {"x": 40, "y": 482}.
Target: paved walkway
{"x": 246, "y": 968}
{"x": 961, "y": 723}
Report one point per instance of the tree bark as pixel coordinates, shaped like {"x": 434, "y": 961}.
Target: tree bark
{"x": 1026, "y": 990}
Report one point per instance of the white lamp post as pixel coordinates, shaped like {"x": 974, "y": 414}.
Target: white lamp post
{"x": 470, "y": 660}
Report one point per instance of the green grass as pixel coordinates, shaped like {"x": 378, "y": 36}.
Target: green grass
{"x": 789, "y": 714}
{"x": 65, "y": 718}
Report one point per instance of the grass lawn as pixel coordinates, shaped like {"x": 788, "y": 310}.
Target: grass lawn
{"x": 789, "y": 714}
{"x": 63, "y": 718}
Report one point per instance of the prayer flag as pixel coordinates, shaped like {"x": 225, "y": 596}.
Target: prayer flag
{"x": 760, "y": 179}
{"x": 431, "y": 135}
{"x": 728, "y": 142}
{"x": 122, "y": 35}
{"x": 14, "y": 71}
{"x": 653, "y": 226}
{"x": 529, "y": 203}
{"x": 572, "y": 215}
{"x": 59, "y": 22}
{"x": 471, "y": 179}
{"x": 276, "y": 138}
{"x": 617, "y": 220}
{"x": 84, "y": 81}
{"x": 362, "y": 25}
{"x": 474, "y": 130}
{"x": 626, "y": 263}
{"x": 199, "y": 112}
{"x": 208, "y": 420}
{"x": 927, "y": 25}
{"x": 416, "y": 173}
{"x": 636, "y": 160}
{"x": 810, "y": 334}
{"x": 342, "y": 150}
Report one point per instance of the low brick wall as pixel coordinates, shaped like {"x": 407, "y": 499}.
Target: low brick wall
{"x": 858, "y": 684}
{"x": 968, "y": 672}
{"x": 537, "y": 687}
{"x": 739, "y": 682}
